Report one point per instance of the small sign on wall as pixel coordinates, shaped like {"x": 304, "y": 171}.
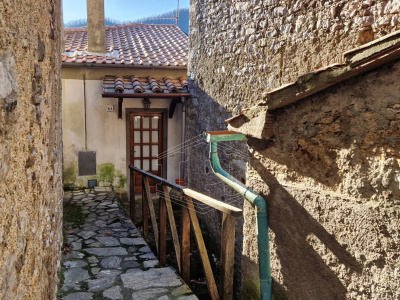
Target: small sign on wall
{"x": 110, "y": 108}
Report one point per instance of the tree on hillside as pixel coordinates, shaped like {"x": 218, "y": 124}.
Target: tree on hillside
{"x": 164, "y": 18}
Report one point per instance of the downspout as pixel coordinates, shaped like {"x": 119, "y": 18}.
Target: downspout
{"x": 183, "y": 133}
{"x": 84, "y": 103}
{"x": 255, "y": 199}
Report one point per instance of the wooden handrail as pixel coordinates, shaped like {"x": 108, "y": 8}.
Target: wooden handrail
{"x": 218, "y": 205}
{"x": 188, "y": 217}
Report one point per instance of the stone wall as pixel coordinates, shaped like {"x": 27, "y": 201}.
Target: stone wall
{"x": 240, "y": 49}
{"x": 30, "y": 149}
{"x": 332, "y": 203}
{"x": 331, "y": 179}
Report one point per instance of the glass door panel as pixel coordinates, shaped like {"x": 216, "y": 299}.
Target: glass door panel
{"x": 136, "y": 151}
{"x": 154, "y": 151}
{"x": 136, "y": 122}
{"x": 154, "y": 136}
{"x": 146, "y": 164}
{"x": 136, "y": 137}
{"x": 146, "y": 122}
{"x": 154, "y": 164}
{"x": 146, "y": 136}
{"x": 146, "y": 151}
{"x": 154, "y": 122}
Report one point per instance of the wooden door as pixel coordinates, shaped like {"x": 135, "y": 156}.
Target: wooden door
{"x": 146, "y": 144}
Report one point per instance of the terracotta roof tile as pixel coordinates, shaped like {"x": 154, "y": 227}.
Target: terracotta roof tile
{"x": 170, "y": 85}
{"x": 136, "y": 85}
{"x": 131, "y": 44}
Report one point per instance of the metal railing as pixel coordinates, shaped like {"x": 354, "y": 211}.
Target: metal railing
{"x": 188, "y": 217}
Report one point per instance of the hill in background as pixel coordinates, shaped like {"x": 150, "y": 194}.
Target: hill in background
{"x": 155, "y": 19}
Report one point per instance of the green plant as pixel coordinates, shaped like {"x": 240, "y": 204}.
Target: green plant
{"x": 121, "y": 180}
{"x": 106, "y": 173}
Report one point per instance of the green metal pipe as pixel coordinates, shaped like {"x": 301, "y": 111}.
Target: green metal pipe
{"x": 256, "y": 200}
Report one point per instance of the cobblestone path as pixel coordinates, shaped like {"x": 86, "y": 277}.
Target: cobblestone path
{"x": 108, "y": 258}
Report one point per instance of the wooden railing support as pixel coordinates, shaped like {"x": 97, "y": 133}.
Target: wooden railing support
{"x": 145, "y": 210}
{"x": 185, "y": 239}
{"x": 132, "y": 207}
{"x": 152, "y": 211}
{"x": 212, "y": 287}
{"x": 172, "y": 225}
{"x": 188, "y": 219}
{"x": 227, "y": 256}
{"x": 162, "y": 251}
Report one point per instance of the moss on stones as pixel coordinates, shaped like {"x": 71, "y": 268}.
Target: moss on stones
{"x": 74, "y": 214}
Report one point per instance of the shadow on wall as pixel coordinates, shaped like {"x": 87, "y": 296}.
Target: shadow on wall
{"x": 305, "y": 274}
{"x": 346, "y": 137}
{"x": 205, "y": 114}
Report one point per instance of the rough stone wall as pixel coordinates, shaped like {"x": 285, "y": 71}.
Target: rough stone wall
{"x": 333, "y": 220}
{"x": 199, "y": 176}
{"x": 240, "y": 49}
{"x": 30, "y": 149}
{"x": 331, "y": 178}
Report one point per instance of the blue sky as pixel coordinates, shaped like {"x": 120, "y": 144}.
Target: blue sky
{"x": 122, "y": 10}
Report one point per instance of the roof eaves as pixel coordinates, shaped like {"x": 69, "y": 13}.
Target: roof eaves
{"x": 131, "y": 66}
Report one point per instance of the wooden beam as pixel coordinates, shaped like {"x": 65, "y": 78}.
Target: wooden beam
{"x": 314, "y": 82}
{"x": 120, "y": 100}
{"x": 172, "y": 225}
{"x": 152, "y": 212}
{"x": 162, "y": 251}
{"x": 172, "y": 107}
{"x": 185, "y": 239}
{"x": 219, "y": 205}
{"x": 145, "y": 210}
{"x": 227, "y": 256}
{"x": 212, "y": 287}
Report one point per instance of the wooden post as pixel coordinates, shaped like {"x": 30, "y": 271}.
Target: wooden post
{"x": 227, "y": 256}
{"x": 145, "y": 209}
{"x": 132, "y": 209}
{"x": 172, "y": 225}
{"x": 185, "y": 240}
{"x": 162, "y": 251}
{"x": 152, "y": 211}
{"x": 211, "y": 285}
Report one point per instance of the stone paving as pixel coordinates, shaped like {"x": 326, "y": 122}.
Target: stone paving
{"x": 107, "y": 258}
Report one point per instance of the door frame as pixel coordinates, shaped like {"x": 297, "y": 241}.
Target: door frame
{"x": 164, "y": 112}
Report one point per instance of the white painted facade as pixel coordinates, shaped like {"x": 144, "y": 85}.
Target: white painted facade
{"x": 106, "y": 134}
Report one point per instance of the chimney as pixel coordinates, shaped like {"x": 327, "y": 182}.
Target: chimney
{"x": 96, "y": 26}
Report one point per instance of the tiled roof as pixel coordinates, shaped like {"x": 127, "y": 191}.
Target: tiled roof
{"x": 131, "y": 44}
{"x": 126, "y": 85}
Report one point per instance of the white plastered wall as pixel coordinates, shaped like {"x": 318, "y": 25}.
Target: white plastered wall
{"x": 106, "y": 134}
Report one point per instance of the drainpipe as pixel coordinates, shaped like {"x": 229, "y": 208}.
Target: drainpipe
{"x": 183, "y": 132}
{"x": 255, "y": 199}
{"x": 84, "y": 104}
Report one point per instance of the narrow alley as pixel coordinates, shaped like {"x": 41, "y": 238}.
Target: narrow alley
{"x": 105, "y": 256}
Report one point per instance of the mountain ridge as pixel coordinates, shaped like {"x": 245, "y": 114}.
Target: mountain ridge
{"x": 183, "y": 23}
